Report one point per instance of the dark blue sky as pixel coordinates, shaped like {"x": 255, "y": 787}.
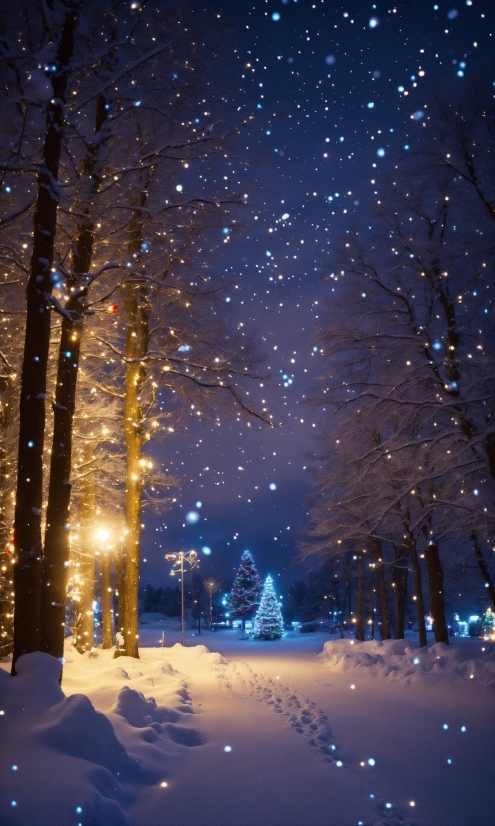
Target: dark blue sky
{"x": 336, "y": 90}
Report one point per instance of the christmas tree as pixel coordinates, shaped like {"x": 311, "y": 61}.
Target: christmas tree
{"x": 268, "y": 622}
{"x": 246, "y": 591}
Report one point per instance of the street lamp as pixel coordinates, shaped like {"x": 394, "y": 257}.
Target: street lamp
{"x": 178, "y": 559}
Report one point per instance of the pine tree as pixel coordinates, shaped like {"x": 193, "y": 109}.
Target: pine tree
{"x": 268, "y": 622}
{"x": 246, "y": 590}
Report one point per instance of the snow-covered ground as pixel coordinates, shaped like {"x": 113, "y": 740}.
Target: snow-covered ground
{"x": 299, "y": 732}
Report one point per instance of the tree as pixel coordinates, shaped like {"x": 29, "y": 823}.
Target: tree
{"x": 409, "y": 355}
{"x": 246, "y": 590}
{"x": 83, "y": 77}
{"x": 268, "y": 622}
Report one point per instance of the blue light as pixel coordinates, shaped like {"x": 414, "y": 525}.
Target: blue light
{"x": 406, "y": 146}
{"x": 192, "y": 517}
{"x": 380, "y": 153}
{"x": 68, "y": 354}
{"x": 273, "y": 486}
{"x": 137, "y": 103}
{"x": 206, "y": 550}
{"x": 30, "y": 444}
{"x": 416, "y": 661}
{"x": 373, "y": 22}
{"x": 275, "y": 16}
{"x": 225, "y": 231}
{"x": 370, "y": 105}
{"x": 460, "y": 73}
{"x": 8, "y": 189}
{"x": 78, "y": 810}
{"x": 445, "y": 726}
{"x": 437, "y": 345}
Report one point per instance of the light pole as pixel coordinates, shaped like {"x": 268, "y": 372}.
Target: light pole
{"x": 178, "y": 559}
{"x": 212, "y": 587}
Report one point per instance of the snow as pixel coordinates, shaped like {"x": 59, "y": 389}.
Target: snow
{"x": 304, "y": 731}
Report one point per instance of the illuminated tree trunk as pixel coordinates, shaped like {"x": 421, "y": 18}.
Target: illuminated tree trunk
{"x": 54, "y": 566}
{"x": 382, "y": 590}
{"x": 106, "y": 601}
{"x": 87, "y": 514}
{"x": 359, "y": 602}
{"x": 27, "y": 531}
{"x": 137, "y": 340}
{"x": 120, "y": 592}
{"x": 136, "y": 347}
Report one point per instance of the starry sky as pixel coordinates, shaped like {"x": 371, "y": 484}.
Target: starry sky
{"x": 336, "y": 89}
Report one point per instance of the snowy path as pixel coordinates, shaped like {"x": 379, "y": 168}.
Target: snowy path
{"x": 281, "y": 712}
{"x": 259, "y": 734}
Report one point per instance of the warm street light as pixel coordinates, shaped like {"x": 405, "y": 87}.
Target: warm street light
{"x": 178, "y": 559}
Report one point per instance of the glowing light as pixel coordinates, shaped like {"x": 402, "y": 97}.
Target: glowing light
{"x": 353, "y": 686}
{"x": 380, "y": 153}
{"x": 463, "y": 728}
{"x": 416, "y": 661}
{"x": 330, "y": 59}
{"x": 164, "y": 784}
{"x": 272, "y": 486}
{"x": 179, "y": 187}
{"x": 339, "y": 763}
{"x": 227, "y": 748}
{"x": 373, "y": 22}
{"x": 371, "y": 762}
{"x": 412, "y": 803}
{"x": 275, "y": 16}
{"x": 102, "y": 535}
{"x": 206, "y": 550}
{"x": 192, "y": 517}
{"x": 445, "y": 726}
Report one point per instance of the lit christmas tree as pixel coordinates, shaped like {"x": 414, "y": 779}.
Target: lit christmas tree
{"x": 268, "y": 622}
{"x": 246, "y": 591}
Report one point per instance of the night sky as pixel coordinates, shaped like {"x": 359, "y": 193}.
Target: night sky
{"x": 336, "y": 91}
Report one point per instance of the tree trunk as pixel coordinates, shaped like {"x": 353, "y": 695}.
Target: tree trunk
{"x": 382, "y": 589}
{"x": 420, "y": 603}
{"x": 359, "y": 602}
{"x": 54, "y": 566}
{"x": 437, "y": 601}
{"x": 400, "y": 596}
{"x": 29, "y": 496}
{"x": 120, "y": 567}
{"x": 87, "y": 498}
{"x": 106, "y": 601}
{"x": 137, "y": 309}
{"x": 482, "y": 565}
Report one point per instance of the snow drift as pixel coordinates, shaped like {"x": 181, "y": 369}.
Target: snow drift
{"x": 399, "y": 660}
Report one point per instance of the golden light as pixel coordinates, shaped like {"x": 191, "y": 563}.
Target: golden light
{"x": 102, "y": 535}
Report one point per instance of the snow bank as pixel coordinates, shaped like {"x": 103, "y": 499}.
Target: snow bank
{"x": 399, "y": 660}
{"x": 65, "y": 763}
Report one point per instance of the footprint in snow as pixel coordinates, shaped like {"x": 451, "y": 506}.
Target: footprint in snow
{"x": 302, "y": 713}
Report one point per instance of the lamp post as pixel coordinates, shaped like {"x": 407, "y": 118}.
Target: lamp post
{"x": 178, "y": 560}
{"x": 212, "y": 587}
